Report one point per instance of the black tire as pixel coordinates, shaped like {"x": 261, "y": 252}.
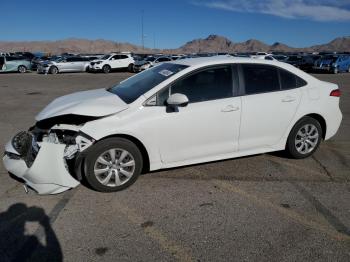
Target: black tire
{"x": 291, "y": 147}
{"x": 131, "y": 68}
{"x": 93, "y": 153}
{"x": 53, "y": 70}
{"x": 106, "y": 69}
{"x": 22, "y": 69}
{"x": 87, "y": 69}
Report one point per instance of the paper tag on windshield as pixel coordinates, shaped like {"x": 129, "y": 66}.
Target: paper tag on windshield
{"x": 166, "y": 72}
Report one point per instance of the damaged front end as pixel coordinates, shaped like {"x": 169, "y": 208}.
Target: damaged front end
{"x": 47, "y": 158}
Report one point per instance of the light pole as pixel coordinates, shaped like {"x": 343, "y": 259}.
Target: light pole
{"x": 142, "y": 34}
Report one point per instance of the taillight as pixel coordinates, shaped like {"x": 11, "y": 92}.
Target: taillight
{"x": 336, "y": 93}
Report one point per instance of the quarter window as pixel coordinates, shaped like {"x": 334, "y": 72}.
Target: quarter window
{"x": 260, "y": 78}
{"x": 289, "y": 80}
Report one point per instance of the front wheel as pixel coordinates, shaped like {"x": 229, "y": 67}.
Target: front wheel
{"x": 131, "y": 68}
{"x": 113, "y": 164}
{"x": 304, "y": 138}
{"x": 22, "y": 69}
{"x": 106, "y": 69}
{"x": 54, "y": 70}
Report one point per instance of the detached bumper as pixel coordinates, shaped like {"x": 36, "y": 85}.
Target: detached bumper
{"x": 47, "y": 175}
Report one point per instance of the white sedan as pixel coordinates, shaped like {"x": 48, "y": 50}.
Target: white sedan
{"x": 178, "y": 113}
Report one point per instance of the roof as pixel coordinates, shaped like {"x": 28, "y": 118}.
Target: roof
{"x": 225, "y": 59}
{"x": 222, "y": 59}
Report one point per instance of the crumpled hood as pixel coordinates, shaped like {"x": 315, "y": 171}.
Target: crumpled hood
{"x": 97, "y": 103}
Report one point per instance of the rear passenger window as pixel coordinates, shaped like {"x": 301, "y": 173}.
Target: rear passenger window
{"x": 260, "y": 78}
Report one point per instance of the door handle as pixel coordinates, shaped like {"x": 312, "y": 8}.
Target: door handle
{"x": 288, "y": 99}
{"x": 230, "y": 108}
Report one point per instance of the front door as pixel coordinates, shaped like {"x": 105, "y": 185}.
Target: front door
{"x": 208, "y": 127}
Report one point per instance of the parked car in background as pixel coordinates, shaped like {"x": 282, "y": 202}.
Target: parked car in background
{"x": 333, "y": 63}
{"x": 178, "y": 113}
{"x": 308, "y": 62}
{"x": 112, "y": 61}
{"x": 294, "y": 60}
{"x": 39, "y": 59}
{"x": 150, "y": 62}
{"x": 266, "y": 57}
{"x": 14, "y": 64}
{"x": 26, "y": 55}
{"x": 64, "y": 65}
{"x": 280, "y": 58}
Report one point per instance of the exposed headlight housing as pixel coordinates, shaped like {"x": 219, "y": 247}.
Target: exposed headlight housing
{"x": 21, "y": 142}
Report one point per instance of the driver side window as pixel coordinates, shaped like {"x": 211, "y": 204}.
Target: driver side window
{"x": 206, "y": 85}
{"x": 115, "y": 57}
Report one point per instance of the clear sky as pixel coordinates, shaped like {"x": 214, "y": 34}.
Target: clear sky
{"x": 171, "y": 23}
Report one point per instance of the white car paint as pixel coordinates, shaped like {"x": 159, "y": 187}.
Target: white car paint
{"x": 97, "y": 103}
{"x": 115, "y": 61}
{"x": 200, "y": 132}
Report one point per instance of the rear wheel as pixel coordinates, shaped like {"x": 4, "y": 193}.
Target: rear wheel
{"x": 304, "y": 138}
{"x": 106, "y": 69}
{"x": 22, "y": 69}
{"x": 113, "y": 164}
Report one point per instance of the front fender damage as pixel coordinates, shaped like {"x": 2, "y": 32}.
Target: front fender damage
{"x": 43, "y": 161}
{"x": 48, "y": 174}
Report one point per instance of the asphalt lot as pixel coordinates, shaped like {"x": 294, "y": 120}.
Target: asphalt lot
{"x": 257, "y": 208}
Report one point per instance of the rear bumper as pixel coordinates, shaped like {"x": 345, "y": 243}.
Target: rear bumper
{"x": 333, "y": 122}
{"x": 47, "y": 175}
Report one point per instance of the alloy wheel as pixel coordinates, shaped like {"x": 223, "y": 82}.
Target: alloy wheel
{"x": 114, "y": 167}
{"x": 306, "y": 139}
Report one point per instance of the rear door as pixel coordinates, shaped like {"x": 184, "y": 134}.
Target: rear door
{"x": 269, "y": 102}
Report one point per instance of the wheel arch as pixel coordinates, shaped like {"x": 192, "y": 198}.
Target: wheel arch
{"x": 23, "y": 66}
{"x": 322, "y": 122}
{"x": 317, "y": 117}
{"x": 53, "y": 67}
{"x": 139, "y": 144}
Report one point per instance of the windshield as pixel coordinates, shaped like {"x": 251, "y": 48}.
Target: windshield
{"x": 132, "y": 88}
{"x": 105, "y": 57}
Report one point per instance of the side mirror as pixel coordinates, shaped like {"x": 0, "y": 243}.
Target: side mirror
{"x": 177, "y": 100}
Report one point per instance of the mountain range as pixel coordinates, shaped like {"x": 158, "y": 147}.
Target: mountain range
{"x": 213, "y": 43}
